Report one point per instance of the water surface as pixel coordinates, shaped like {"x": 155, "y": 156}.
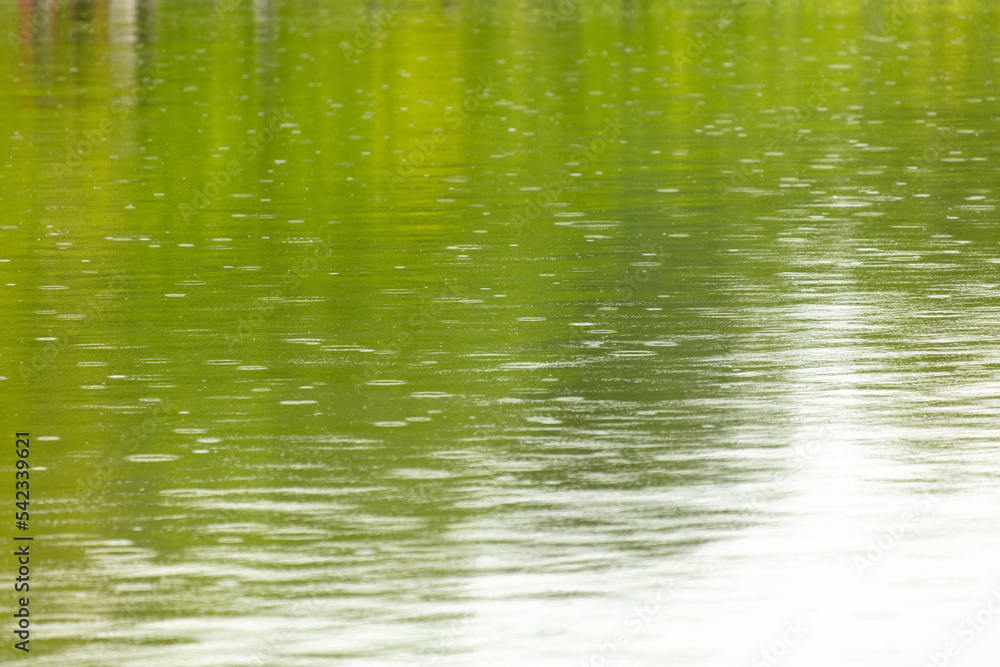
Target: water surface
{"x": 439, "y": 333}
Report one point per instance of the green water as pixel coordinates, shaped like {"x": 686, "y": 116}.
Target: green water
{"x": 448, "y": 333}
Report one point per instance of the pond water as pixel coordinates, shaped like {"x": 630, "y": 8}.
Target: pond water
{"x": 474, "y": 334}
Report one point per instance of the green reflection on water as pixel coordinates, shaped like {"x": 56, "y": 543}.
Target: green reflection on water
{"x": 266, "y": 273}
